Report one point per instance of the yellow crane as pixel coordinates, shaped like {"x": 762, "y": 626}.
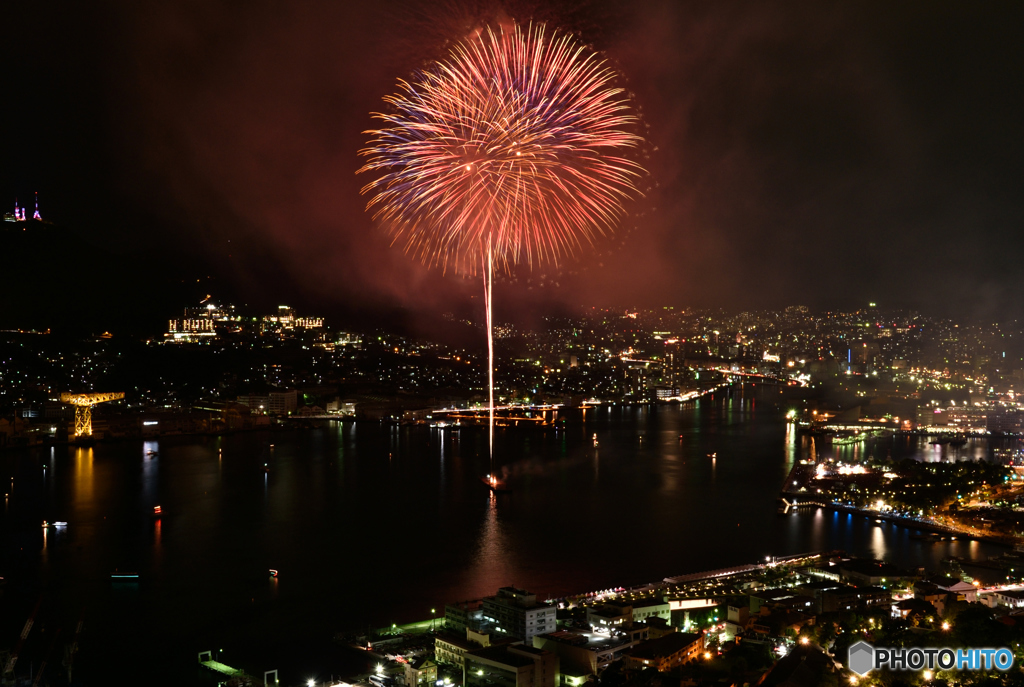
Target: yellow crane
{"x": 83, "y": 408}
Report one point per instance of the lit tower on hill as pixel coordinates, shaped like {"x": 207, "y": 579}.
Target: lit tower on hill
{"x": 36, "y": 215}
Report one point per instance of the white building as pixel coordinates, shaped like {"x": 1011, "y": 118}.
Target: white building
{"x": 515, "y": 612}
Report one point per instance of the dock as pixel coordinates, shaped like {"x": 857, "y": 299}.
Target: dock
{"x": 217, "y": 666}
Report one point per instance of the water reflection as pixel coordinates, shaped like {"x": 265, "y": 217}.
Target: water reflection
{"x": 150, "y": 474}
{"x": 441, "y": 434}
{"x": 595, "y": 481}
{"x": 878, "y": 546}
{"x": 492, "y": 567}
{"x": 792, "y": 448}
{"x": 83, "y": 477}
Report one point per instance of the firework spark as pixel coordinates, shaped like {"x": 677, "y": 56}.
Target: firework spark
{"x": 513, "y": 149}
{"x": 516, "y": 148}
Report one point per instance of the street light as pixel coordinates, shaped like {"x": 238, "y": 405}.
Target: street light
{"x": 432, "y": 613}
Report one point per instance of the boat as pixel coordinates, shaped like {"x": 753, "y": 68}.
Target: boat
{"x": 273, "y": 573}
{"x": 496, "y": 485}
{"x": 157, "y": 511}
{"x": 151, "y": 453}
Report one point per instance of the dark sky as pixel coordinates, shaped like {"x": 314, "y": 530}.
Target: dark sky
{"x": 802, "y": 152}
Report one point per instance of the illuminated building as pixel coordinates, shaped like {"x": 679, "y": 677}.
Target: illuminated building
{"x": 451, "y": 648}
{"x": 666, "y": 653}
{"x": 342, "y": 407}
{"x": 420, "y": 672}
{"x": 190, "y": 330}
{"x": 511, "y": 665}
{"x": 1002, "y": 419}
{"x": 285, "y": 316}
{"x": 208, "y": 310}
{"x": 285, "y": 320}
{"x": 516, "y": 613}
{"x": 201, "y": 323}
{"x": 582, "y": 656}
{"x": 461, "y": 615}
{"x": 276, "y": 402}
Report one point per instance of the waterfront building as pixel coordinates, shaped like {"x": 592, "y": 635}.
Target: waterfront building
{"x": 276, "y": 402}
{"x": 345, "y": 407}
{"x": 511, "y": 665}
{"x": 517, "y": 613}
{"x": 665, "y": 653}
{"x": 461, "y": 615}
{"x": 615, "y": 613}
{"x": 451, "y": 648}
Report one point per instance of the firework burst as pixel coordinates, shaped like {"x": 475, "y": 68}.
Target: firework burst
{"x": 516, "y": 148}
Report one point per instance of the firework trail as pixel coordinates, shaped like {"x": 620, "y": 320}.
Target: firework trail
{"x": 515, "y": 149}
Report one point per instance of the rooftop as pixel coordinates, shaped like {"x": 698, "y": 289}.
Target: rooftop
{"x": 664, "y": 646}
{"x": 501, "y": 654}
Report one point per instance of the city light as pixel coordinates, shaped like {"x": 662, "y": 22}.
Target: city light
{"x": 686, "y": 217}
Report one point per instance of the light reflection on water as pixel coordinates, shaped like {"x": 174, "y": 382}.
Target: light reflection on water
{"x": 625, "y": 496}
{"x": 83, "y": 477}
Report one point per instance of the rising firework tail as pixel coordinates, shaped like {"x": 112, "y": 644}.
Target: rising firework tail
{"x": 516, "y": 148}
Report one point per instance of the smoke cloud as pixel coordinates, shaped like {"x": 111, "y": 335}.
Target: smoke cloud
{"x": 800, "y": 152}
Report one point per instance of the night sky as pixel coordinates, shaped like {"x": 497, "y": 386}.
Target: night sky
{"x": 821, "y": 153}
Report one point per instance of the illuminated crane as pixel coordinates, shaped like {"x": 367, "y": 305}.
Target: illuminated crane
{"x": 83, "y": 408}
